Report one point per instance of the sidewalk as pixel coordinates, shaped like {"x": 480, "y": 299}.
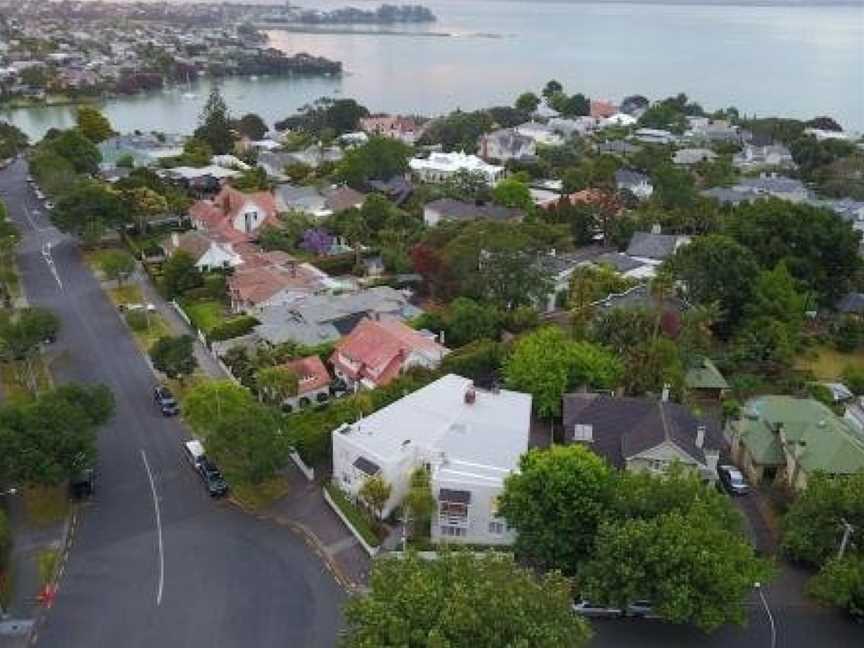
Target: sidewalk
{"x": 305, "y": 508}
{"x": 178, "y": 326}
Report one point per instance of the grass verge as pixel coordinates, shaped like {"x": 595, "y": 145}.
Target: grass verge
{"x": 14, "y": 389}
{"x": 827, "y": 363}
{"x": 358, "y": 518}
{"x": 259, "y": 496}
{"x": 129, "y": 293}
{"x": 46, "y": 504}
{"x": 205, "y": 315}
{"x": 46, "y": 561}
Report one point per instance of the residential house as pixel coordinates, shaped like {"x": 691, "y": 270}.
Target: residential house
{"x": 757, "y": 157}
{"x": 313, "y": 383}
{"x": 397, "y": 189}
{"x": 654, "y": 247}
{"x": 777, "y": 186}
{"x": 300, "y": 198}
{"x": 568, "y": 127}
{"x": 208, "y": 251}
{"x": 540, "y": 133}
{"x": 559, "y": 268}
{"x": 506, "y": 144}
{"x": 377, "y": 351}
{"x": 654, "y": 136}
{"x": 439, "y": 167}
{"x": 272, "y": 279}
{"x": 232, "y": 211}
{"x": 636, "y": 183}
{"x": 691, "y": 156}
{"x": 786, "y": 440}
{"x": 618, "y": 119}
{"x": 144, "y": 149}
{"x": 618, "y": 147}
{"x": 626, "y": 266}
{"x": 731, "y": 196}
{"x": 851, "y": 304}
{"x": 404, "y": 129}
{"x": 327, "y": 318}
{"x": 640, "y": 296}
{"x": 822, "y": 135}
{"x": 470, "y": 440}
{"x": 705, "y": 129}
{"x": 602, "y": 109}
{"x": 448, "y": 209}
{"x": 642, "y": 434}
{"x": 704, "y": 381}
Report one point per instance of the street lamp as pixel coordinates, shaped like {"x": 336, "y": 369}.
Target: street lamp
{"x": 770, "y": 616}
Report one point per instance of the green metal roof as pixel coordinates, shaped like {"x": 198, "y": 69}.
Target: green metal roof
{"x": 831, "y": 444}
{"x": 705, "y": 375}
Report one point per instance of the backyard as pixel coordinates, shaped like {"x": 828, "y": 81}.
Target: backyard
{"x": 205, "y": 314}
{"x": 827, "y": 363}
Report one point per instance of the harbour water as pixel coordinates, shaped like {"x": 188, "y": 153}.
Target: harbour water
{"x": 797, "y": 61}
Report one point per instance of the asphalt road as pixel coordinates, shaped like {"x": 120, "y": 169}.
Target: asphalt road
{"x": 155, "y": 563}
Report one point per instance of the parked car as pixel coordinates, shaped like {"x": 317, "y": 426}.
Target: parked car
{"x": 166, "y": 401}
{"x": 136, "y": 307}
{"x": 194, "y": 453}
{"x": 589, "y": 609}
{"x": 49, "y": 204}
{"x": 732, "y": 480}
{"x": 83, "y": 483}
{"x": 642, "y": 609}
{"x": 212, "y": 478}
{"x": 39, "y": 194}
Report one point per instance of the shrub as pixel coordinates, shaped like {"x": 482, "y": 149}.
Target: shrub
{"x": 853, "y": 377}
{"x": 232, "y": 328}
{"x": 138, "y": 320}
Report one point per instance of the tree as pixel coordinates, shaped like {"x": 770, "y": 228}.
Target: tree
{"x": 467, "y": 321}
{"x": 12, "y": 140}
{"x": 276, "y": 383}
{"x": 174, "y": 356}
{"x": 117, "y": 265}
{"x": 546, "y": 364}
{"x": 197, "y": 152}
{"x": 93, "y": 124}
{"x": 481, "y": 361}
{"x": 812, "y": 527}
{"x": 673, "y": 187}
{"x": 215, "y": 124}
{"x": 577, "y": 105}
{"x": 21, "y": 336}
{"x": 460, "y": 600}
{"x": 841, "y": 583}
{"x": 251, "y": 180}
{"x": 180, "y": 274}
{"x": 336, "y": 116}
{"x": 76, "y": 149}
{"x": 458, "y": 131}
{"x": 375, "y": 492}
{"x": 380, "y": 158}
{"x": 818, "y": 247}
{"x": 691, "y": 568}
{"x": 634, "y": 103}
{"x": 716, "y": 268}
{"x": 552, "y": 88}
{"x": 512, "y": 193}
{"x": 145, "y": 203}
{"x": 527, "y": 102}
{"x": 556, "y": 501}
{"x": 208, "y": 404}
{"x": 88, "y": 209}
{"x": 512, "y": 278}
{"x": 252, "y": 126}
{"x": 247, "y": 444}
{"x": 419, "y": 503}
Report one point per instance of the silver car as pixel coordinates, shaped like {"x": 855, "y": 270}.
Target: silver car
{"x": 589, "y": 609}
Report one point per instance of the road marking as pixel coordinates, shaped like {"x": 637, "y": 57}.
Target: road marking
{"x": 158, "y": 529}
{"x": 770, "y": 616}
{"x": 46, "y": 254}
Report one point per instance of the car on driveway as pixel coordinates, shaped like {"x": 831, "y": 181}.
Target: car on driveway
{"x": 732, "y": 480}
{"x": 166, "y": 401}
{"x": 589, "y": 609}
{"x": 212, "y": 478}
{"x": 642, "y": 609}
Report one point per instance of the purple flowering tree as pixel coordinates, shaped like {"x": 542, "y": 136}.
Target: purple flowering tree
{"x": 317, "y": 241}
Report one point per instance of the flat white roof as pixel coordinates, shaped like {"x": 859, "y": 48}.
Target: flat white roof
{"x": 489, "y": 434}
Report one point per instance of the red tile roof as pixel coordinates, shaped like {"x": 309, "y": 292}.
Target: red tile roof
{"x": 601, "y": 109}
{"x": 218, "y": 215}
{"x": 311, "y": 373}
{"x": 380, "y": 348}
{"x": 257, "y": 280}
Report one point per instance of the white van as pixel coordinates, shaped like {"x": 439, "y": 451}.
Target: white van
{"x": 194, "y": 453}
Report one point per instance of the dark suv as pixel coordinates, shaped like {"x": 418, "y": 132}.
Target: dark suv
{"x": 213, "y": 480}
{"x": 166, "y": 401}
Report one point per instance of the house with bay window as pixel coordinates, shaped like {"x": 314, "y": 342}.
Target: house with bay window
{"x": 468, "y": 439}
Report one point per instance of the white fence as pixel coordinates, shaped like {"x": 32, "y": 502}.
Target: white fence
{"x": 308, "y": 471}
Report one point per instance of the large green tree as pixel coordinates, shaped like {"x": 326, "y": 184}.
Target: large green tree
{"x": 93, "y": 124}
{"x": 209, "y": 404}
{"x": 380, "y": 158}
{"x": 88, "y": 209}
{"x": 546, "y": 364}
{"x": 215, "y": 124}
{"x": 75, "y": 148}
{"x": 180, "y": 274}
{"x": 555, "y": 502}
{"x": 22, "y": 333}
{"x": 463, "y": 600}
{"x": 247, "y": 444}
{"x": 513, "y": 193}
{"x": 252, "y": 126}
{"x": 174, "y": 356}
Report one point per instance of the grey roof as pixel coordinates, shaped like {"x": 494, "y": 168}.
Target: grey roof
{"x": 625, "y": 427}
{"x": 326, "y": 318}
{"x": 727, "y": 196}
{"x": 852, "y": 303}
{"x": 652, "y": 246}
{"x": 292, "y": 197}
{"x": 457, "y": 210}
{"x": 555, "y": 263}
{"x": 774, "y": 184}
{"x": 627, "y": 178}
{"x": 509, "y": 139}
{"x": 621, "y": 262}
{"x": 618, "y": 146}
{"x": 639, "y": 297}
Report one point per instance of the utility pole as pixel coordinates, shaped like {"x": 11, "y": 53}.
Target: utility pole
{"x": 848, "y": 530}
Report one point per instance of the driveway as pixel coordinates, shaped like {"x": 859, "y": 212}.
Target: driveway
{"x": 155, "y": 561}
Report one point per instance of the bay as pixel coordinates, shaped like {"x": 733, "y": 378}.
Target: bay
{"x": 797, "y": 61}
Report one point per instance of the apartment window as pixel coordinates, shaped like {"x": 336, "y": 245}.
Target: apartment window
{"x": 453, "y": 531}
{"x": 497, "y": 527}
{"x": 453, "y": 513}
{"x": 656, "y": 464}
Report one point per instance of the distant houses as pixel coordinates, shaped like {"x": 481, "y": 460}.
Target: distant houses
{"x": 447, "y": 209}
{"x": 439, "y": 167}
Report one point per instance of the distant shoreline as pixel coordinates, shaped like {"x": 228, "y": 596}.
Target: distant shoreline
{"x": 299, "y": 28}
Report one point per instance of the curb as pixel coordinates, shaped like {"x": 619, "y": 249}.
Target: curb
{"x": 312, "y": 541}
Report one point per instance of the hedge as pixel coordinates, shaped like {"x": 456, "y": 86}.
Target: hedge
{"x": 232, "y": 328}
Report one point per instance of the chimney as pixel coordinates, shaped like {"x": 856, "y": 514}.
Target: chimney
{"x": 470, "y": 395}
{"x": 553, "y": 252}
{"x": 441, "y": 337}
{"x": 700, "y": 436}
{"x": 656, "y": 229}
{"x": 665, "y": 395}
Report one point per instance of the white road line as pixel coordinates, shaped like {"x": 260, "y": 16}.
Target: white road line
{"x": 158, "y": 529}
{"x": 46, "y": 254}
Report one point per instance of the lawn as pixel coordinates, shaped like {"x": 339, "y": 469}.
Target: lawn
{"x": 258, "y": 496}
{"x": 205, "y": 315}
{"x": 46, "y": 505}
{"x": 827, "y": 363}
{"x": 126, "y": 294}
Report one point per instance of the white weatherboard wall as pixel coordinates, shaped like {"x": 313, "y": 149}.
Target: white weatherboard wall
{"x": 469, "y": 444}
